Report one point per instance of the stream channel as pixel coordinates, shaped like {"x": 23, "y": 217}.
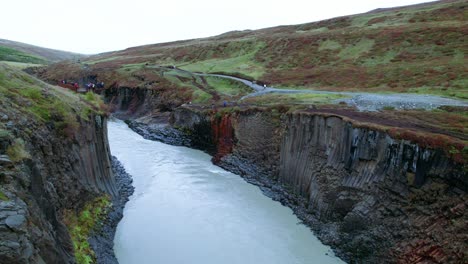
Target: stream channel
{"x": 187, "y": 210}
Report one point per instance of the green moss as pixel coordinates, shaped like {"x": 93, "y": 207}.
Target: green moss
{"x": 4, "y": 134}
{"x": 200, "y": 96}
{"x": 41, "y": 111}
{"x": 80, "y": 225}
{"x": 90, "y": 97}
{"x": 388, "y": 108}
{"x": 17, "y": 151}
{"x": 31, "y": 93}
{"x": 3, "y": 197}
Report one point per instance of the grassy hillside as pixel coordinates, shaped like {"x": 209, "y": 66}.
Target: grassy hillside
{"x": 418, "y": 48}
{"x": 13, "y": 55}
{"x": 22, "y": 95}
{"x": 43, "y": 54}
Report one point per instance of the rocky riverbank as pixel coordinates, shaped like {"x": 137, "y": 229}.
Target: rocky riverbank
{"x": 160, "y": 132}
{"x": 102, "y": 240}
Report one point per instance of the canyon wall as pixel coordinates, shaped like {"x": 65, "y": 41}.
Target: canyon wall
{"x": 136, "y": 102}
{"x": 373, "y": 198}
{"x": 386, "y": 197}
{"x": 56, "y": 172}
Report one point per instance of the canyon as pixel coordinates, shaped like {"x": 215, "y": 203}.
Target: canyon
{"x": 195, "y": 212}
{"x": 377, "y": 175}
{"x": 369, "y": 195}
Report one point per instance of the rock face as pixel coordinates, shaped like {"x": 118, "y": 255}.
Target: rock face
{"x": 385, "y": 196}
{"x": 132, "y": 102}
{"x": 102, "y": 240}
{"x": 373, "y": 198}
{"x": 61, "y": 172}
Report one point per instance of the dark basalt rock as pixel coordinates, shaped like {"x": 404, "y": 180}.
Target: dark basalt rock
{"x": 60, "y": 173}
{"x": 102, "y": 240}
{"x": 161, "y": 132}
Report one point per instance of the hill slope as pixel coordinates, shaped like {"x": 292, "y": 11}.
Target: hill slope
{"x": 21, "y": 52}
{"x": 15, "y": 56}
{"x": 417, "y": 49}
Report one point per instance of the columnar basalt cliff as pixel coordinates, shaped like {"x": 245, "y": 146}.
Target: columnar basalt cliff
{"x": 60, "y": 173}
{"x": 54, "y": 162}
{"x": 130, "y": 101}
{"x": 385, "y": 197}
{"x": 373, "y": 198}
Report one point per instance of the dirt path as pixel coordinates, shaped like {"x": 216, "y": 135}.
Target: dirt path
{"x": 361, "y": 100}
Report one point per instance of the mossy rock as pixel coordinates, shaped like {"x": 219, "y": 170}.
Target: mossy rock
{"x": 5, "y": 140}
{"x": 5, "y": 135}
{"x": 3, "y": 197}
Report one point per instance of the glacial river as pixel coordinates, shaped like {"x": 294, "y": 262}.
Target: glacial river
{"x": 186, "y": 210}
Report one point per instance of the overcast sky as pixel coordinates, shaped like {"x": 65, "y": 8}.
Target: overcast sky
{"x": 93, "y": 26}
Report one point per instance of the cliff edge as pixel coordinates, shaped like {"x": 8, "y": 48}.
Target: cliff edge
{"x": 54, "y": 161}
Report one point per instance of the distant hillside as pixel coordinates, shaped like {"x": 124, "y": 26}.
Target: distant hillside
{"x": 418, "y": 48}
{"x": 9, "y": 54}
{"x": 21, "y": 52}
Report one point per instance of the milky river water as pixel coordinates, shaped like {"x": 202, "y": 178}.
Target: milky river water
{"x": 187, "y": 210}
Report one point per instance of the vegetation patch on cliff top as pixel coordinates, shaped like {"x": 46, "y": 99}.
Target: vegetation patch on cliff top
{"x": 291, "y": 99}
{"x": 43, "y": 102}
{"x": 228, "y": 87}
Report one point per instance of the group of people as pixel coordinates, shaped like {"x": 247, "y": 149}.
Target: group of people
{"x": 90, "y": 85}
{"x": 74, "y": 84}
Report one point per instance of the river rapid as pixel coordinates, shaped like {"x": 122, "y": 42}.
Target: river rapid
{"x": 187, "y": 210}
